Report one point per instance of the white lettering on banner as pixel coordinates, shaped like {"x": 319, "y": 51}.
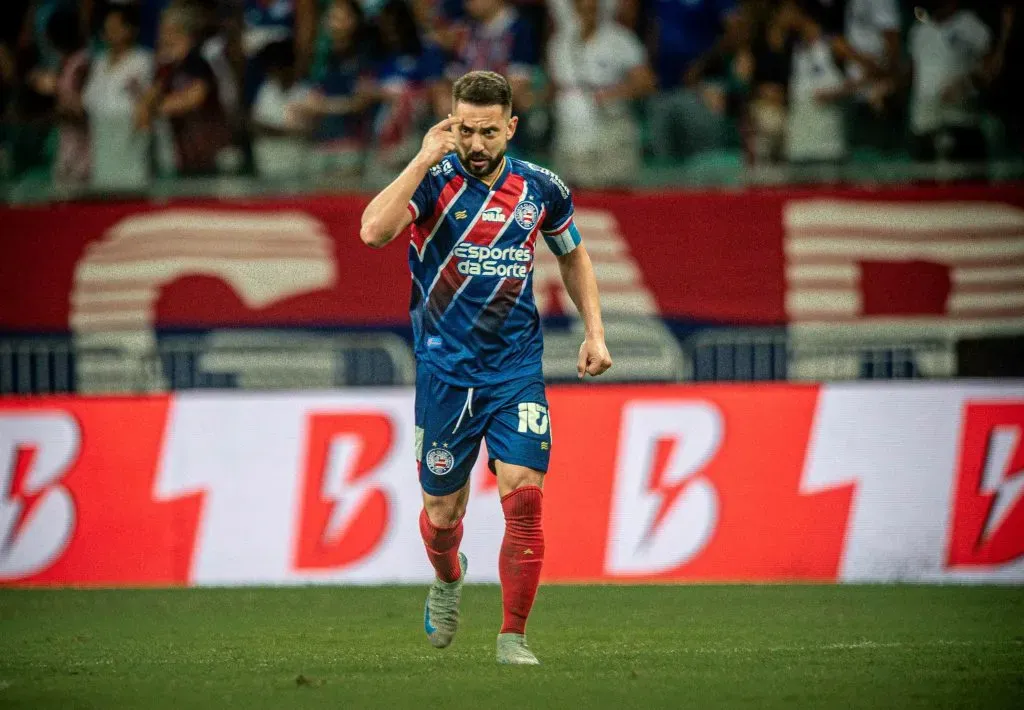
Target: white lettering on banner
{"x": 264, "y": 258}
{"x": 828, "y": 243}
{"x": 347, "y": 495}
{"x": 37, "y": 514}
{"x": 663, "y": 512}
{"x": 987, "y": 529}
{"x": 899, "y": 446}
{"x": 249, "y": 456}
{"x": 999, "y": 479}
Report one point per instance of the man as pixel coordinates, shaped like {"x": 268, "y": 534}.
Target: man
{"x": 117, "y": 79}
{"x": 949, "y": 51}
{"x": 598, "y": 67}
{"x": 497, "y": 38}
{"x": 691, "y": 39}
{"x": 873, "y": 35}
{"x": 185, "y": 92}
{"x": 475, "y": 217}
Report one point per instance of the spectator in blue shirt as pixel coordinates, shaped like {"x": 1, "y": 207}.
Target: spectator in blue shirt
{"x": 496, "y": 38}
{"x": 407, "y": 72}
{"x": 268, "y": 21}
{"x": 343, "y": 92}
{"x": 690, "y": 37}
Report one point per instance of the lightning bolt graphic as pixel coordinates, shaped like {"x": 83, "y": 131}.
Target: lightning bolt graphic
{"x": 669, "y": 491}
{"x": 341, "y": 461}
{"x": 1003, "y": 476}
{"x": 20, "y": 496}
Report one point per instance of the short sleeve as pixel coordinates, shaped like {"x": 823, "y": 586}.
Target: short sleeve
{"x": 144, "y": 68}
{"x": 560, "y": 68}
{"x": 558, "y": 227}
{"x": 265, "y": 109}
{"x": 421, "y": 206}
{"x": 631, "y": 52}
{"x": 886, "y": 15}
{"x": 979, "y": 36}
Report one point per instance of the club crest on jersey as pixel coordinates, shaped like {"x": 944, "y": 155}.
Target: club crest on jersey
{"x": 526, "y": 215}
{"x": 440, "y": 461}
{"x": 494, "y": 214}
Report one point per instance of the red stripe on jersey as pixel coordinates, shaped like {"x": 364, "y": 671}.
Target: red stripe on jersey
{"x": 504, "y": 299}
{"x": 421, "y": 232}
{"x": 493, "y": 316}
{"x": 450, "y": 280}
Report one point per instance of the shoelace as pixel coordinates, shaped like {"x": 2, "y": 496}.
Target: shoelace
{"x": 445, "y": 607}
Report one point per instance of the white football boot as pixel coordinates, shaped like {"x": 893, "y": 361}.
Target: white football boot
{"x": 441, "y": 612}
{"x": 513, "y": 651}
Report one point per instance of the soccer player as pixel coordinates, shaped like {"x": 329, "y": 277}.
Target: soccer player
{"x": 475, "y": 217}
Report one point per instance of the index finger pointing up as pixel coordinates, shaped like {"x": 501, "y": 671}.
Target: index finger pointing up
{"x": 449, "y": 122}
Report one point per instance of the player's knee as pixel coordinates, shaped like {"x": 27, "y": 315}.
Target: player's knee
{"x": 512, "y": 477}
{"x": 445, "y": 512}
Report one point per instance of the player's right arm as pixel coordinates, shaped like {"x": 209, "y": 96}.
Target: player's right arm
{"x": 388, "y": 213}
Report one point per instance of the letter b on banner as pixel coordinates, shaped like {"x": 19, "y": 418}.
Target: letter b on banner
{"x": 37, "y": 514}
{"x": 988, "y": 505}
{"x": 663, "y": 511}
{"x": 346, "y": 511}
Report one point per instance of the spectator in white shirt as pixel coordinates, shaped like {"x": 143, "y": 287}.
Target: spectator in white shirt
{"x": 948, "y": 50}
{"x": 873, "y": 34}
{"x": 118, "y": 78}
{"x": 281, "y": 129}
{"x": 814, "y": 123}
{"x": 597, "y": 67}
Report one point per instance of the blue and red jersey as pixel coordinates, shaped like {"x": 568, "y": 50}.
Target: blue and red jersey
{"x": 474, "y": 318}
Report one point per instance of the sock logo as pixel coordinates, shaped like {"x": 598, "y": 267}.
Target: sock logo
{"x": 37, "y": 513}
{"x": 663, "y": 512}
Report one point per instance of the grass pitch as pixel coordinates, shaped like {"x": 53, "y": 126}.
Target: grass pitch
{"x": 602, "y": 647}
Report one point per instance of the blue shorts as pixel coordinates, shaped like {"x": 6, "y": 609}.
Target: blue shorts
{"x": 451, "y": 421}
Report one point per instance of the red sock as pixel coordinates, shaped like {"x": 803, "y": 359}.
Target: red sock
{"x": 522, "y": 556}
{"x": 442, "y": 547}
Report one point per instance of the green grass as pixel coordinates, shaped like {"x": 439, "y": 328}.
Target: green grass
{"x": 614, "y": 647}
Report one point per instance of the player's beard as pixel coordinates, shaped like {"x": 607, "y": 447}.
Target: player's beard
{"x": 492, "y": 163}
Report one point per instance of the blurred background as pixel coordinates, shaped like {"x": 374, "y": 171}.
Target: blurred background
{"x": 129, "y": 95}
{"x": 789, "y": 189}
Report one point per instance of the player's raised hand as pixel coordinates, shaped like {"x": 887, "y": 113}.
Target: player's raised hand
{"x": 440, "y": 140}
{"x": 594, "y": 358}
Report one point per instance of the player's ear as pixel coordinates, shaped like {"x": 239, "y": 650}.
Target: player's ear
{"x": 511, "y": 129}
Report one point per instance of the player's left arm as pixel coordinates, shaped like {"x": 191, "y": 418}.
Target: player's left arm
{"x": 581, "y": 284}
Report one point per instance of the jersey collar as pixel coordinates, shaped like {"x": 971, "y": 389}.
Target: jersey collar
{"x": 499, "y": 179}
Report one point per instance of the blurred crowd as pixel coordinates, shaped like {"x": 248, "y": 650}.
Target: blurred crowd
{"x": 111, "y": 93}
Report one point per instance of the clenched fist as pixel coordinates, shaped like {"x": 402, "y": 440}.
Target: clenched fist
{"x": 594, "y": 358}
{"x": 439, "y": 141}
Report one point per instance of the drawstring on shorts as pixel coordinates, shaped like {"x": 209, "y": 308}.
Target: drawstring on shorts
{"x": 468, "y": 406}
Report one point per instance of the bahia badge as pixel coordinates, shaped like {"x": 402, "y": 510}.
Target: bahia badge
{"x": 440, "y": 461}
{"x": 526, "y": 215}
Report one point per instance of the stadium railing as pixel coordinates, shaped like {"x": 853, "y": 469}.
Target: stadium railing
{"x": 269, "y": 360}
{"x": 257, "y": 360}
